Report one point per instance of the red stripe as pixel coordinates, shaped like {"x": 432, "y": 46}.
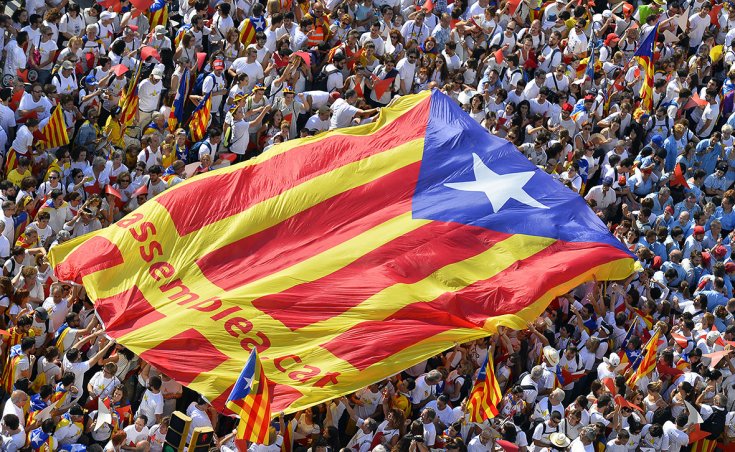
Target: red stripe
{"x": 404, "y": 260}
{"x": 291, "y": 241}
{"x": 506, "y": 293}
{"x": 93, "y": 255}
{"x": 126, "y": 312}
{"x": 231, "y": 193}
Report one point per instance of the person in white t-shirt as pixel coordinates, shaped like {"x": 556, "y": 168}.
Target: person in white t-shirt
{"x": 151, "y": 405}
{"x": 136, "y": 433}
{"x": 103, "y": 382}
{"x": 344, "y": 111}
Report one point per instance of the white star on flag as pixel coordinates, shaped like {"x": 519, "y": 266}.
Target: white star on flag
{"x": 499, "y": 188}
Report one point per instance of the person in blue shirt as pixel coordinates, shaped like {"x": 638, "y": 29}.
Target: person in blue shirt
{"x": 651, "y": 242}
{"x": 709, "y": 151}
{"x": 661, "y": 200}
{"x": 715, "y": 296}
{"x": 689, "y": 205}
{"x": 666, "y": 219}
{"x": 674, "y": 263}
{"x": 716, "y": 184}
{"x": 726, "y": 215}
{"x": 644, "y": 181}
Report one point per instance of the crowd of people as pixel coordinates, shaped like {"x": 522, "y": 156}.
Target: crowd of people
{"x": 559, "y": 80}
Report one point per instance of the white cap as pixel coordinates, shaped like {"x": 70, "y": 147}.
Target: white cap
{"x": 157, "y": 73}
{"x": 107, "y": 15}
{"x": 613, "y": 360}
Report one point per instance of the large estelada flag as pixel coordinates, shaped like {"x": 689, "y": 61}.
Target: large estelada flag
{"x": 344, "y": 258}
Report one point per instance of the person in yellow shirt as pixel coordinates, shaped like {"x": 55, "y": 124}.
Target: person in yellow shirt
{"x": 114, "y": 130}
{"x": 23, "y": 170}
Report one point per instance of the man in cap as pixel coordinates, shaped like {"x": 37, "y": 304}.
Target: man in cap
{"x": 65, "y": 80}
{"x": 215, "y": 85}
{"x": 715, "y": 184}
{"x": 107, "y": 27}
{"x": 159, "y": 40}
{"x": 149, "y": 95}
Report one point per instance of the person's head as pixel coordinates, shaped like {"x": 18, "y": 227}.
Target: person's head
{"x": 110, "y": 369}
{"x": 154, "y": 384}
{"x": 428, "y": 415}
{"x": 140, "y": 422}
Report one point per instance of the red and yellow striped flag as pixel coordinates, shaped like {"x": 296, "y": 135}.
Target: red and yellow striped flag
{"x": 53, "y": 133}
{"x": 200, "y": 119}
{"x": 383, "y": 231}
{"x": 251, "y": 399}
{"x": 247, "y": 32}
{"x": 485, "y": 396}
{"x": 158, "y": 14}
{"x": 644, "y": 53}
{"x": 648, "y": 362}
{"x": 129, "y": 100}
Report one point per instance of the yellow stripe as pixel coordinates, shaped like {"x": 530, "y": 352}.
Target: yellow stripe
{"x": 451, "y": 278}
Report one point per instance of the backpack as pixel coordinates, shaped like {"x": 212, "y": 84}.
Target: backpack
{"x": 320, "y": 82}
{"x": 199, "y": 83}
{"x": 193, "y": 154}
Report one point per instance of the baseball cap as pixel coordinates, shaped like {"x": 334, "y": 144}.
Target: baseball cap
{"x": 610, "y": 38}
{"x": 608, "y": 181}
{"x": 90, "y": 80}
{"x": 658, "y": 140}
{"x": 67, "y": 65}
{"x": 107, "y": 15}
{"x": 698, "y": 230}
{"x": 157, "y": 74}
{"x": 567, "y": 107}
{"x": 218, "y": 64}
{"x": 258, "y": 86}
{"x": 719, "y": 251}
{"x": 42, "y": 313}
{"x": 160, "y": 30}
{"x": 589, "y": 98}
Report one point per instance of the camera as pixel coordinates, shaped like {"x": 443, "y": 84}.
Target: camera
{"x": 417, "y": 438}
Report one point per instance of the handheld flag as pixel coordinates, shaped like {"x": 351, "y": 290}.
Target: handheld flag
{"x": 648, "y": 362}
{"x": 129, "y": 100}
{"x": 251, "y": 399}
{"x": 245, "y": 262}
{"x": 158, "y": 14}
{"x": 381, "y": 86}
{"x": 485, "y": 396}
{"x": 247, "y": 32}
{"x": 176, "y": 116}
{"x": 199, "y": 120}
{"x": 53, "y": 134}
{"x": 644, "y": 53}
